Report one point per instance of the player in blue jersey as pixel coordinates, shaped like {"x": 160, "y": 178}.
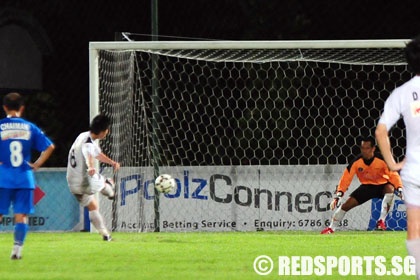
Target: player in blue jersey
{"x": 19, "y": 138}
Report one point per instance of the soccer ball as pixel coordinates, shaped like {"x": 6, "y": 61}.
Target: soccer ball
{"x": 165, "y": 183}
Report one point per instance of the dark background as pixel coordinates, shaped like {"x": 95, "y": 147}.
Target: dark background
{"x": 61, "y": 104}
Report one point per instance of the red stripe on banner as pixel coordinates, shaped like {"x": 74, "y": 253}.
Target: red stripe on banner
{"x": 38, "y": 194}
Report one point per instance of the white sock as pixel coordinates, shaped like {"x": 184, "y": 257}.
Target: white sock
{"x": 337, "y": 217}
{"x": 97, "y": 220}
{"x": 413, "y": 248}
{"x": 387, "y": 203}
{"x": 17, "y": 250}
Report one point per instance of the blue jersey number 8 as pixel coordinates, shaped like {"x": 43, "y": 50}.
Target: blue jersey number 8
{"x": 16, "y": 157}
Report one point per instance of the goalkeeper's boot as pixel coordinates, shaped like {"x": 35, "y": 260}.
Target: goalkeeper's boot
{"x": 327, "y": 230}
{"x": 380, "y": 225}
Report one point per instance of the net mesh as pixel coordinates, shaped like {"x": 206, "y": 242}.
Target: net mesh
{"x": 243, "y": 108}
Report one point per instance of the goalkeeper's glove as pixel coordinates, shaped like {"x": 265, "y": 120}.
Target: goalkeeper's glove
{"x": 336, "y": 202}
{"x": 399, "y": 193}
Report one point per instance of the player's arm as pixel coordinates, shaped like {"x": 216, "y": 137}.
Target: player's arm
{"x": 346, "y": 178}
{"x": 395, "y": 180}
{"x": 89, "y": 152}
{"x": 90, "y": 162}
{"x": 336, "y": 202}
{"x": 382, "y": 138}
{"x": 105, "y": 159}
{"x": 399, "y": 192}
{"x": 43, "y": 157}
{"x": 343, "y": 185}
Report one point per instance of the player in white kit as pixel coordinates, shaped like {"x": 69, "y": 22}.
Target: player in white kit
{"x": 83, "y": 179}
{"x": 404, "y": 102}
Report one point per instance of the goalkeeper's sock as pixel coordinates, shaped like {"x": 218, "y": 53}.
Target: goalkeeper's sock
{"x": 337, "y": 217}
{"x": 98, "y": 222}
{"x": 387, "y": 203}
{"x": 413, "y": 248}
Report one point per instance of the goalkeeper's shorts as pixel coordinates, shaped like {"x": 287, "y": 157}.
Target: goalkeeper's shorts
{"x": 366, "y": 192}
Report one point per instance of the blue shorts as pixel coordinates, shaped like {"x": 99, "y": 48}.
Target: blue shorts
{"x": 21, "y": 199}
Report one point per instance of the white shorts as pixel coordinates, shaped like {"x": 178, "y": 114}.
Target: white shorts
{"x": 411, "y": 195}
{"x": 85, "y": 192}
{"x": 93, "y": 185}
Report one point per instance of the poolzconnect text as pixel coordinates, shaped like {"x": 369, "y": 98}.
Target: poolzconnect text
{"x": 220, "y": 189}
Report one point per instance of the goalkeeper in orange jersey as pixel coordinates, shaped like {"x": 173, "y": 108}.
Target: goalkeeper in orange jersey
{"x": 377, "y": 181}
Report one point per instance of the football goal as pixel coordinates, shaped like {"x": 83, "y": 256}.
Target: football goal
{"x": 256, "y": 133}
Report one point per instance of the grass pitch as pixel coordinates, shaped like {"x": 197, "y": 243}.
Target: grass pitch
{"x": 228, "y": 255}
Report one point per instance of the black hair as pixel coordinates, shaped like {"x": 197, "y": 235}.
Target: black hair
{"x": 412, "y": 55}
{"x": 99, "y": 123}
{"x": 13, "y": 101}
{"x": 369, "y": 139}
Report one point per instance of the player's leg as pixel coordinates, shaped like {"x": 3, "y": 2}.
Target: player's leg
{"x": 341, "y": 211}
{"x": 97, "y": 219}
{"x": 98, "y": 183}
{"x": 387, "y": 195}
{"x": 20, "y": 232}
{"x": 357, "y": 197}
{"x": 5, "y": 201}
{"x": 109, "y": 189}
{"x": 412, "y": 201}
{"x": 339, "y": 214}
{"x": 413, "y": 235}
{"x": 22, "y": 206}
{"x": 88, "y": 200}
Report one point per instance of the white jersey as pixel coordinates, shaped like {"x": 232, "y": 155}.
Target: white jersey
{"x": 83, "y": 147}
{"x": 405, "y": 102}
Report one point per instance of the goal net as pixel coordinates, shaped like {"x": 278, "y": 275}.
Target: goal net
{"x": 256, "y": 134}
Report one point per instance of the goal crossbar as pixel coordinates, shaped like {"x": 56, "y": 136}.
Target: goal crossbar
{"x": 318, "y": 44}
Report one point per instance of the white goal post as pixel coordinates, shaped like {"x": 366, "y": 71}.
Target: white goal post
{"x": 256, "y": 133}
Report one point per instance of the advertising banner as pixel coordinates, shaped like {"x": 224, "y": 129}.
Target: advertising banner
{"x": 242, "y": 198}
